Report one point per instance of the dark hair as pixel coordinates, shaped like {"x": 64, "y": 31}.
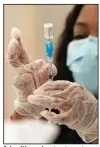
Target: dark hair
{"x": 65, "y": 38}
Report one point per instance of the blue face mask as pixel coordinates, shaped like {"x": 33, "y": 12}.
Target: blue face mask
{"x": 82, "y": 60}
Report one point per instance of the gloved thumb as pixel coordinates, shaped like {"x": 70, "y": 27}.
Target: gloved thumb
{"x": 15, "y": 33}
{"x": 17, "y": 54}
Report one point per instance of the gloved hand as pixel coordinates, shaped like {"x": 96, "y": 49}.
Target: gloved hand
{"x": 77, "y": 107}
{"x": 32, "y": 74}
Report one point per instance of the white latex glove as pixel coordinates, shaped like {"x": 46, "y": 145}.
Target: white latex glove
{"x": 30, "y": 77}
{"x": 77, "y": 106}
{"x": 32, "y": 74}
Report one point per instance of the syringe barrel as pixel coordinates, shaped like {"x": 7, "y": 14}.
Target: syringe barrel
{"x": 48, "y": 35}
{"x": 49, "y": 49}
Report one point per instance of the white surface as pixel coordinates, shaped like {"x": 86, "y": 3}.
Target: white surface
{"x": 30, "y": 132}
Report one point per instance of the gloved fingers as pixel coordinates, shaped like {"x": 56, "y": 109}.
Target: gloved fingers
{"x": 33, "y": 66}
{"x": 68, "y": 117}
{"x": 56, "y": 118}
{"x": 38, "y": 64}
{"x": 45, "y": 101}
{"x": 75, "y": 114}
{"x": 56, "y": 85}
{"x": 43, "y": 75}
{"x": 24, "y": 108}
{"x": 40, "y": 101}
{"x": 76, "y": 117}
{"x": 36, "y": 79}
{"x": 15, "y": 63}
{"x": 51, "y": 87}
{"x": 40, "y": 76}
{"x": 67, "y": 92}
{"x": 53, "y": 117}
{"x": 64, "y": 106}
{"x": 48, "y": 115}
{"x": 24, "y": 57}
{"x": 53, "y": 69}
{"x": 29, "y": 77}
{"x": 24, "y": 85}
{"x": 21, "y": 81}
{"x": 39, "y": 71}
{"x": 60, "y": 89}
{"x": 13, "y": 53}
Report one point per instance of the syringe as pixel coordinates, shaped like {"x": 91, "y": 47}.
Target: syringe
{"x": 48, "y": 35}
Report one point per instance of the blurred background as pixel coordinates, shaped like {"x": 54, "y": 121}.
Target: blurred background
{"x": 30, "y": 20}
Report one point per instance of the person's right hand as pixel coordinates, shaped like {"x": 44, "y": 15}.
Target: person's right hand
{"x": 32, "y": 74}
{"x": 78, "y": 108}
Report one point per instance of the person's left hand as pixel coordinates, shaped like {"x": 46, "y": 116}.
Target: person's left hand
{"x": 77, "y": 107}
{"x": 31, "y": 75}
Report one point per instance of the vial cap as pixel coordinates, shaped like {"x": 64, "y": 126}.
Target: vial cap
{"x": 48, "y": 31}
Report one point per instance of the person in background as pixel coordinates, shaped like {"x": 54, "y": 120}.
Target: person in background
{"x": 76, "y": 63}
{"x": 80, "y": 23}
